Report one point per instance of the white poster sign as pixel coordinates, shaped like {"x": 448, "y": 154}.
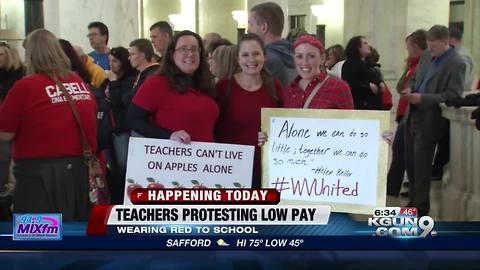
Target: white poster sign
{"x": 328, "y": 157}
{"x": 154, "y": 163}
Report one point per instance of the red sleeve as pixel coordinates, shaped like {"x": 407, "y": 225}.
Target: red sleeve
{"x": 280, "y": 93}
{"x": 344, "y": 96}
{"x": 11, "y": 110}
{"x": 150, "y": 93}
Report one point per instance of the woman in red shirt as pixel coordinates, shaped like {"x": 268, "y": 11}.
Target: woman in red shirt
{"x": 313, "y": 88}
{"x": 178, "y": 103}
{"x": 242, "y": 97}
{"x": 51, "y": 175}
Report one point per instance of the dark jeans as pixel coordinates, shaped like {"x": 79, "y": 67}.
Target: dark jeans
{"x": 442, "y": 156}
{"x": 116, "y": 155}
{"x": 397, "y": 167}
{"x": 420, "y": 147}
{"x": 52, "y": 185}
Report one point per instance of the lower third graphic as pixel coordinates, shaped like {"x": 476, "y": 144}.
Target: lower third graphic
{"x": 37, "y": 227}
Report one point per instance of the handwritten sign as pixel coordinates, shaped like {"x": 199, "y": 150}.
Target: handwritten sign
{"x": 154, "y": 163}
{"x": 333, "y": 157}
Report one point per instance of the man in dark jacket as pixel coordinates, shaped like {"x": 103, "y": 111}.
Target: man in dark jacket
{"x": 266, "y": 20}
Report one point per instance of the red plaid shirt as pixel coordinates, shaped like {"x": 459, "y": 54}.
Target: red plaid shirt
{"x": 334, "y": 94}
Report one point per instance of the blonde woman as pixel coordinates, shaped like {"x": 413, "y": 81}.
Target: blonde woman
{"x": 11, "y": 70}
{"x": 51, "y": 175}
{"x": 224, "y": 62}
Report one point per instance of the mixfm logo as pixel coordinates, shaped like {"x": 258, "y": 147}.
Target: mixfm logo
{"x": 37, "y": 227}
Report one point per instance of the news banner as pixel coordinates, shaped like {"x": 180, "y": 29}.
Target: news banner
{"x": 234, "y": 219}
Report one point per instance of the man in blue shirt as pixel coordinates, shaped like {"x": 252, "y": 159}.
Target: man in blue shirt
{"x": 98, "y": 37}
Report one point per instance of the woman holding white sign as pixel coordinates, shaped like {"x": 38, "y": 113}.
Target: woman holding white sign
{"x": 178, "y": 102}
{"x": 242, "y": 97}
{"x": 313, "y": 88}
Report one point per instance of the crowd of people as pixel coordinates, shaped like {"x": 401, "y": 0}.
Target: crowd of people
{"x": 206, "y": 90}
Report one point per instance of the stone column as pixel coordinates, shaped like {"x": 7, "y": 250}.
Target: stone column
{"x": 33, "y": 15}
{"x": 461, "y": 188}
{"x": 68, "y": 19}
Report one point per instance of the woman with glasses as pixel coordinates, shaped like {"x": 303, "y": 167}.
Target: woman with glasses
{"x": 242, "y": 97}
{"x": 178, "y": 102}
{"x": 50, "y": 171}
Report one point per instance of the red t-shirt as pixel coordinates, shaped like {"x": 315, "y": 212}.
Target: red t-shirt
{"x": 192, "y": 111}
{"x": 241, "y": 116}
{"x": 334, "y": 94}
{"x": 43, "y": 123}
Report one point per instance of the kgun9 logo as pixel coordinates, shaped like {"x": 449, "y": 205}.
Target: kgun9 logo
{"x": 402, "y": 226}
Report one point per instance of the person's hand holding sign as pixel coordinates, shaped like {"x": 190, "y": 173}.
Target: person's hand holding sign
{"x": 181, "y": 136}
{"x": 262, "y": 138}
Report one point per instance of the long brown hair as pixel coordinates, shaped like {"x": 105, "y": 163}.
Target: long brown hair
{"x": 226, "y": 59}
{"x": 201, "y": 80}
{"x": 44, "y": 55}
{"x": 267, "y": 78}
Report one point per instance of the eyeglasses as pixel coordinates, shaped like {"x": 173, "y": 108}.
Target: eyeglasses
{"x": 186, "y": 50}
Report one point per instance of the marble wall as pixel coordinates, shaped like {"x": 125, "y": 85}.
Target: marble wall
{"x": 158, "y": 10}
{"x": 12, "y": 24}
{"x": 383, "y": 24}
{"x": 471, "y": 35}
{"x": 212, "y": 16}
{"x": 332, "y": 17}
{"x": 424, "y": 14}
{"x": 216, "y": 16}
{"x": 386, "y": 24}
{"x": 12, "y": 16}
{"x": 69, "y": 20}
